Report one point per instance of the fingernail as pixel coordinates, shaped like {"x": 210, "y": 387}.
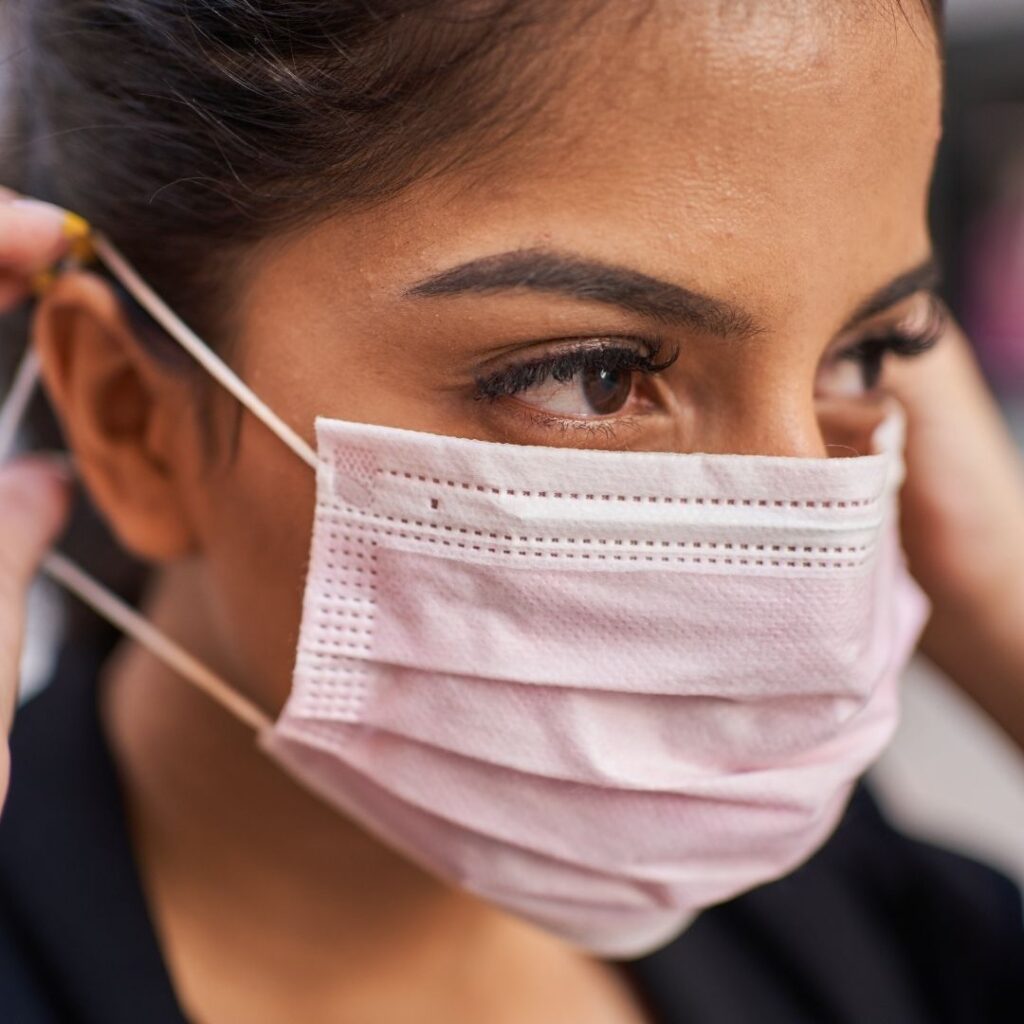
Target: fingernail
{"x": 78, "y": 232}
{"x": 72, "y": 233}
{"x": 47, "y": 225}
{"x": 75, "y": 227}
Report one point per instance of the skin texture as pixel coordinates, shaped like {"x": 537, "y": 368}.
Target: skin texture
{"x": 776, "y": 159}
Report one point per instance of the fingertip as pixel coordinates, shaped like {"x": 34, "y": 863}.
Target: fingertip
{"x": 35, "y": 495}
{"x": 45, "y": 214}
{"x": 32, "y": 234}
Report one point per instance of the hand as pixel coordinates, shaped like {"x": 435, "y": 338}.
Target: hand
{"x": 963, "y": 526}
{"x": 33, "y": 492}
{"x": 33, "y": 506}
{"x": 33, "y": 235}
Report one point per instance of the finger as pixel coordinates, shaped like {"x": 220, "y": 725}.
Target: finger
{"x": 32, "y": 234}
{"x": 965, "y": 479}
{"x": 33, "y": 507}
{"x": 34, "y": 498}
{"x": 946, "y": 387}
{"x": 949, "y": 365}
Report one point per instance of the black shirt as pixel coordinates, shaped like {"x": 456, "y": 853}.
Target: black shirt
{"x": 875, "y": 929}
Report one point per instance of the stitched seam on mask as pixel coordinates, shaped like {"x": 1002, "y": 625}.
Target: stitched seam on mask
{"x": 717, "y": 546}
{"x": 710, "y": 545}
{"x": 792, "y": 563}
{"x": 652, "y": 499}
{"x": 351, "y": 574}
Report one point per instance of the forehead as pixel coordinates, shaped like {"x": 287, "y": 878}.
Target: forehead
{"x": 727, "y": 86}
{"x": 771, "y": 123}
{"x": 782, "y": 112}
{"x": 707, "y": 141}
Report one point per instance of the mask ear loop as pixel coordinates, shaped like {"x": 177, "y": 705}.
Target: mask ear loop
{"x": 16, "y": 404}
{"x": 103, "y": 601}
{"x": 197, "y": 348}
{"x": 120, "y": 614}
{"x": 61, "y": 569}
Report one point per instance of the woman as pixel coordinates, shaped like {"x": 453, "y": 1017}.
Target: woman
{"x": 640, "y": 230}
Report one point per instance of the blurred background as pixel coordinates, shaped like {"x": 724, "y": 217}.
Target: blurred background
{"x": 951, "y": 776}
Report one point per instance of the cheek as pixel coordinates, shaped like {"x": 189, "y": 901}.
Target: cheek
{"x": 259, "y": 515}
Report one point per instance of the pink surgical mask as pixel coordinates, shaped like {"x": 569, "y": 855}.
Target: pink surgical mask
{"x": 601, "y": 690}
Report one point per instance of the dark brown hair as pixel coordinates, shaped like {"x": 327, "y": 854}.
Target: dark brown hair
{"x": 185, "y": 129}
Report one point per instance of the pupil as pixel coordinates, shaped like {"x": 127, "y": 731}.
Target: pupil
{"x": 606, "y": 391}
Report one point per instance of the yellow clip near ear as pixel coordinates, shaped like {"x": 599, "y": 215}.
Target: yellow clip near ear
{"x": 80, "y": 251}
{"x": 78, "y": 232}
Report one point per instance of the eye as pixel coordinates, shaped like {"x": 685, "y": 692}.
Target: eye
{"x": 857, "y": 369}
{"x": 585, "y": 382}
{"x": 590, "y": 392}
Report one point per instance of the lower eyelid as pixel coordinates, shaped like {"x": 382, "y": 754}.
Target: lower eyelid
{"x": 607, "y": 429}
{"x": 634, "y": 415}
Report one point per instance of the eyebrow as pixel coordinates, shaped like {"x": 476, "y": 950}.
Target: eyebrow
{"x": 590, "y": 280}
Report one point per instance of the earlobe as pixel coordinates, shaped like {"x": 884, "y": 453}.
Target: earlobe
{"x": 114, "y": 402}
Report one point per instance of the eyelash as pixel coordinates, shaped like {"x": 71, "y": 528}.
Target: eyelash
{"x": 870, "y": 353}
{"x": 565, "y": 366}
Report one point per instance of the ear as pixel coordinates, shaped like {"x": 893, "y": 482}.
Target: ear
{"x": 122, "y": 414}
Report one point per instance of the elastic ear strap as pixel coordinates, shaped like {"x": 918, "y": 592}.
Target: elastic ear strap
{"x": 12, "y": 412}
{"x": 103, "y": 601}
{"x": 197, "y": 348}
{"x": 130, "y": 622}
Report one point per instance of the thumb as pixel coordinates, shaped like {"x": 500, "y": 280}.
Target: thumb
{"x": 34, "y": 499}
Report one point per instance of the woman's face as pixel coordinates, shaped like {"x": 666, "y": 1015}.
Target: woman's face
{"x": 735, "y": 192}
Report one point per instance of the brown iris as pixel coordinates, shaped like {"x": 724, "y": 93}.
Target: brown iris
{"x": 606, "y": 391}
